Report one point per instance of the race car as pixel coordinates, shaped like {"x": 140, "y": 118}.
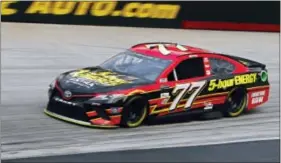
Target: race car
{"x": 152, "y": 80}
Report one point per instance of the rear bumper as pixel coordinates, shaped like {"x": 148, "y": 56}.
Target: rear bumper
{"x": 257, "y": 96}
{"x": 82, "y": 114}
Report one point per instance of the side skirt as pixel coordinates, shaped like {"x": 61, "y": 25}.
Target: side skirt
{"x": 192, "y": 112}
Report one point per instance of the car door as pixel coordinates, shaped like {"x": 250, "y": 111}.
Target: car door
{"x": 185, "y": 82}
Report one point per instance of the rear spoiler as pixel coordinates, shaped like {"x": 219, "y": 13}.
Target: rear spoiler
{"x": 247, "y": 62}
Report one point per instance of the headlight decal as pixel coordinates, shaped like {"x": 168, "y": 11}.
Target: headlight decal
{"x": 109, "y": 98}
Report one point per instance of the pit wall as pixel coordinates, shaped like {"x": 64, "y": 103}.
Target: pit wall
{"x": 220, "y": 15}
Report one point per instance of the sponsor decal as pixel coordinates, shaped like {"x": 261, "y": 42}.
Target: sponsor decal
{"x": 65, "y": 102}
{"x": 102, "y": 77}
{"x": 208, "y": 106}
{"x": 81, "y": 82}
{"x": 163, "y": 80}
{"x": 139, "y": 10}
{"x": 115, "y": 110}
{"x": 165, "y": 95}
{"x": 237, "y": 80}
{"x": 257, "y": 97}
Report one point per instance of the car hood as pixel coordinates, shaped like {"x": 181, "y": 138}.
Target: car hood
{"x": 97, "y": 80}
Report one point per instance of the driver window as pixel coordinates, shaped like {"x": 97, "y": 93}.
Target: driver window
{"x": 189, "y": 68}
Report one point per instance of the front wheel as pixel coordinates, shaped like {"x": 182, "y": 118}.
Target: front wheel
{"x": 236, "y": 103}
{"x": 134, "y": 113}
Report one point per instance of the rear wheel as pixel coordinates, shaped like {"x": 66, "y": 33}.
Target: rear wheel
{"x": 134, "y": 113}
{"x": 236, "y": 103}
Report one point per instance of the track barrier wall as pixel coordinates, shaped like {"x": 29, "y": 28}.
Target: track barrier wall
{"x": 219, "y": 15}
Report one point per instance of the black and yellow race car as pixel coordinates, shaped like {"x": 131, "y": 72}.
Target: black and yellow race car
{"x": 152, "y": 80}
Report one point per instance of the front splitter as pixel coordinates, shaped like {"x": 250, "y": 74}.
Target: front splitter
{"x": 74, "y": 121}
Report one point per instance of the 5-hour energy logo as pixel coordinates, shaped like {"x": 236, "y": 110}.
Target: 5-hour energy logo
{"x": 97, "y": 9}
{"x": 237, "y": 80}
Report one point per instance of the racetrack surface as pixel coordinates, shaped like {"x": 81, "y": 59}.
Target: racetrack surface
{"x": 254, "y": 151}
{"x": 32, "y": 55}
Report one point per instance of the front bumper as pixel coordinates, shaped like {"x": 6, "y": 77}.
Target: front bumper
{"x": 84, "y": 115}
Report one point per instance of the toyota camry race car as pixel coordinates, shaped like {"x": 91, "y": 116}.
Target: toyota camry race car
{"x": 151, "y": 80}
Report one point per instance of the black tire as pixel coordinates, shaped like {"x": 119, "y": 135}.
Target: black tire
{"x": 236, "y": 103}
{"x": 139, "y": 107}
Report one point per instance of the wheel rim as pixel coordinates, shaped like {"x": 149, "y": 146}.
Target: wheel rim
{"x": 236, "y": 104}
{"x": 136, "y": 115}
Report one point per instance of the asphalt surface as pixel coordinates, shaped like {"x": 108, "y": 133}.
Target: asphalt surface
{"x": 32, "y": 55}
{"x": 256, "y": 151}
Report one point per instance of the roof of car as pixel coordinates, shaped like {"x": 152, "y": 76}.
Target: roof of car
{"x": 166, "y": 50}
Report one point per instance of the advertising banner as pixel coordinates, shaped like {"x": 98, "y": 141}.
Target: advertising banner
{"x": 221, "y": 15}
{"x": 115, "y": 13}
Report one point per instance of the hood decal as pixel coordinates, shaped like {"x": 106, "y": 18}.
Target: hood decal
{"x": 95, "y": 79}
{"x": 100, "y": 77}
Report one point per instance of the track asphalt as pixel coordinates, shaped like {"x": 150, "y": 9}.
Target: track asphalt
{"x": 255, "y": 151}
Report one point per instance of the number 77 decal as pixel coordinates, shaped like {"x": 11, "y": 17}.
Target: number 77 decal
{"x": 185, "y": 88}
{"x": 164, "y": 50}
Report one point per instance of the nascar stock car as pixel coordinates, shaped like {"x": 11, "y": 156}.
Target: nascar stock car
{"x": 151, "y": 80}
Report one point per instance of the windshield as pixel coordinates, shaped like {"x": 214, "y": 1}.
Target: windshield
{"x": 137, "y": 65}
